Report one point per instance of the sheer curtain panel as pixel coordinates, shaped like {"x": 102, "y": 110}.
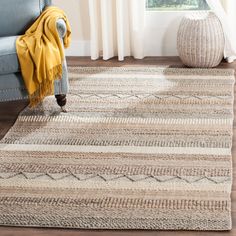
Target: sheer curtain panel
{"x": 226, "y": 11}
{"x": 117, "y": 28}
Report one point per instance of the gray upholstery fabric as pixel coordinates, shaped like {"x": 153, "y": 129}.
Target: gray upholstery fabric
{"x": 44, "y": 3}
{"x": 12, "y": 87}
{"x": 8, "y": 58}
{"x": 61, "y": 27}
{"x": 17, "y": 15}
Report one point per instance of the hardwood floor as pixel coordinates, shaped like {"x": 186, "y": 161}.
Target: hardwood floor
{"x": 10, "y": 110}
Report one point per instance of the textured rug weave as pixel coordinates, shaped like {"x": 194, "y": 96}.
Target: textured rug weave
{"x": 139, "y": 148}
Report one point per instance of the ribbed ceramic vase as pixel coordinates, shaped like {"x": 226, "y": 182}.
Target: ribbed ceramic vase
{"x": 200, "y": 40}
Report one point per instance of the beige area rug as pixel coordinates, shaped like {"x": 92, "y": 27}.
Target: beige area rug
{"x": 140, "y": 148}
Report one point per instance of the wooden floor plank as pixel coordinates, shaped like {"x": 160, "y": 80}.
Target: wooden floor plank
{"x": 10, "y": 110}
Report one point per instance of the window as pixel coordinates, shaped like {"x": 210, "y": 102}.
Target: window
{"x": 175, "y": 5}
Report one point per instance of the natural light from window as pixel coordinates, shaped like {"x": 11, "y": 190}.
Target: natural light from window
{"x": 176, "y": 5}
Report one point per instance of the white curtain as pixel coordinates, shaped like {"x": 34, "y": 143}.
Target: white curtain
{"x": 117, "y": 28}
{"x": 226, "y": 11}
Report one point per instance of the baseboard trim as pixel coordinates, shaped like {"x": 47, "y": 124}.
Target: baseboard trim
{"x": 80, "y": 48}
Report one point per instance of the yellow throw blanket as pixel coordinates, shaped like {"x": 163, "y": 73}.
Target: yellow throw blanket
{"x": 40, "y": 52}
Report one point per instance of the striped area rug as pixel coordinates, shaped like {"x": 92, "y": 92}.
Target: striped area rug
{"x": 139, "y": 148}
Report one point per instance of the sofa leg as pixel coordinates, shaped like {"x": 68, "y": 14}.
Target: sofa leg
{"x": 61, "y": 101}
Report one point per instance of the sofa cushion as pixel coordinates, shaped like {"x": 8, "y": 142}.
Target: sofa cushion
{"x": 8, "y": 58}
{"x": 12, "y": 87}
{"x": 17, "y": 15}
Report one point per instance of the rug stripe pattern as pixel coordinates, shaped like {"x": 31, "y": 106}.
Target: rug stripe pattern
{"x": 139, "y": 148}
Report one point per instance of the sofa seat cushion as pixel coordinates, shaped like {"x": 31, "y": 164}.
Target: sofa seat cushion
{"x": 8, "y": 57}
{"x": 12, "y": 87}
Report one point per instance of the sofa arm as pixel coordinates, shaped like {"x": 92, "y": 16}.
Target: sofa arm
{"x": 61, "y": 27}
{"x": 61, "y": 87}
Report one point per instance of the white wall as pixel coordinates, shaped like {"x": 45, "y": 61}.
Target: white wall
{"x": 78, "y": 14}
{"x": 161, "y": 33}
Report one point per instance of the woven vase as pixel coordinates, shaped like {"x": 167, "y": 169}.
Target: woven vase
{"x": 200, "y": 40}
